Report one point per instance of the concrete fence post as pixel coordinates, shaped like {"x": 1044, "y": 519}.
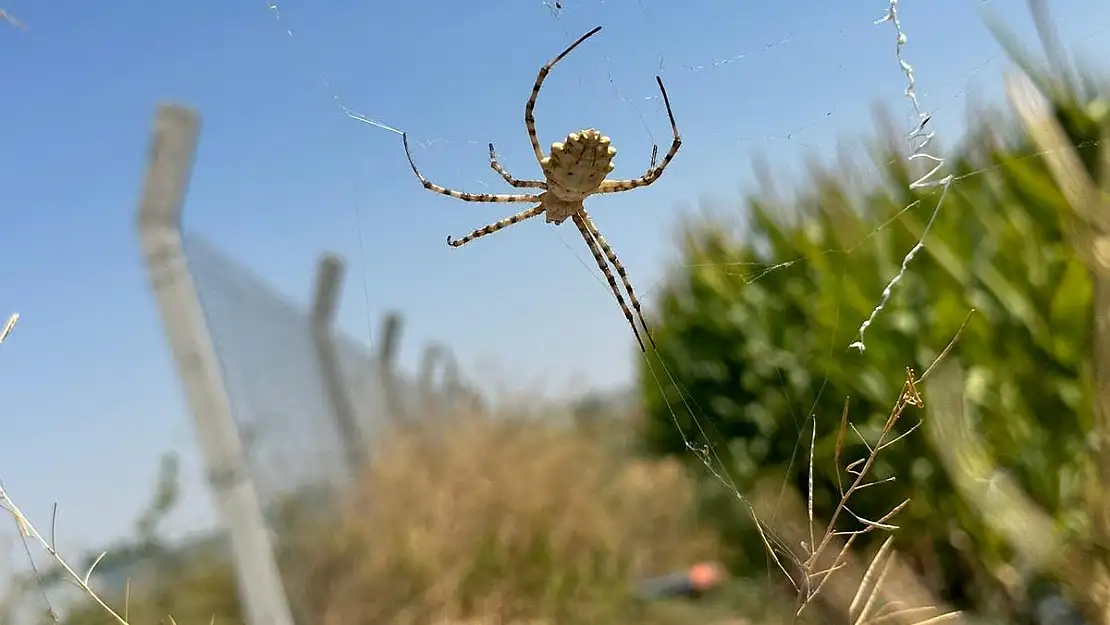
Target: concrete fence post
{"x": 329, "y": 274}
{"x": 172, "y": 149}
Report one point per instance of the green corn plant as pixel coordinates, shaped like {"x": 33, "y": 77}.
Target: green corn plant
{"x": 753, "y": 327}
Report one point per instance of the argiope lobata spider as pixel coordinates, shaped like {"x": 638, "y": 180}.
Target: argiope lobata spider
{"x": 576, "y": 169}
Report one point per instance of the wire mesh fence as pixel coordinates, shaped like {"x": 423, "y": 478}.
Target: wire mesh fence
{"x": 273, "y": 375}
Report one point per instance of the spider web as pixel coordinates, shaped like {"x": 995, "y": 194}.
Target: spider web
{"x": 890, "y": 32}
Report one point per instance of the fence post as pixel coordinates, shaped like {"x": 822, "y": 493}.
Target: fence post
{"x": 329, "y": 273}
{"x": 433, "y": 397}
{"x": 388, "y": 346}
{"x": 171, "y": 152}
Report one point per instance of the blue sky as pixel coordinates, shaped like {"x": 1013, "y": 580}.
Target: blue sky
{"x": 90, "y": 400}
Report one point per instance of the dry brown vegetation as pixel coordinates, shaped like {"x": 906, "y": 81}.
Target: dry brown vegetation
{"x": 512, "y": 519}
{"x": 498, "y": 519}
{"x": 483, "y": 519}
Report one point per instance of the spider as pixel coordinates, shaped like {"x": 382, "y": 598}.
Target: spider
{"x": 575, "y": 169}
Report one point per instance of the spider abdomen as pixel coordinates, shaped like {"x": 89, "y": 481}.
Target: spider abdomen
{"x": 577, "y": 166}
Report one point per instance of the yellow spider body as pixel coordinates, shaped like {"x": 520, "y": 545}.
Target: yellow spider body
{"x": 576, "y": 167}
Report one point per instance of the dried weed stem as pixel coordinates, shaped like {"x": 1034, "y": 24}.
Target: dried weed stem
{"x": 27, "y": 530}
{"x": 816, "y": 575}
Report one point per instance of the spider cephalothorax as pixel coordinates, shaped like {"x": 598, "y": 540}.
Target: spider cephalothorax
{"x": 575, "y": 169}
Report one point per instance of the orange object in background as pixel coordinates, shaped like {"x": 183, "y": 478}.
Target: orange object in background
{"x": 692, "y": 582}
{"x": 706, "y": 575}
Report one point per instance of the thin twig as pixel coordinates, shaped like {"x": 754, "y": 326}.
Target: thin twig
{"x": 9, "y": 326}
{"x": 27, "y": 530}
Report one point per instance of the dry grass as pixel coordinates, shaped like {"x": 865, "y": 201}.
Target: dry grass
{"x": 480, "y": 520}
{"x": 827, "y": 571}
{"x": 28, "y": 531}
{"x": 507, "y": 519}
{"x": 9, "y": 326}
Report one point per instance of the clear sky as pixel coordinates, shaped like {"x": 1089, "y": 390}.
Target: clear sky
{"x": 89, "y": 397}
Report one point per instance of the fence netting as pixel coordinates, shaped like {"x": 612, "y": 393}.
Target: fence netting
{"x": 275, "y": 382}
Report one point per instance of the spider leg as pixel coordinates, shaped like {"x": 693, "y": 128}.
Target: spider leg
{"x": 494, "y": 227}
{"x": 460, "y": 195}
{"x": 616, "y": 263}
{"x": 530, "y": 108}
{"x": 653, "y": 174}
{"x": 596, "y": 244}
{"x": 523, "y": 184}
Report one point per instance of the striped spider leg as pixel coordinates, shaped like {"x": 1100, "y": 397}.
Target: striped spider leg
{"x": 601, "y": 251}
